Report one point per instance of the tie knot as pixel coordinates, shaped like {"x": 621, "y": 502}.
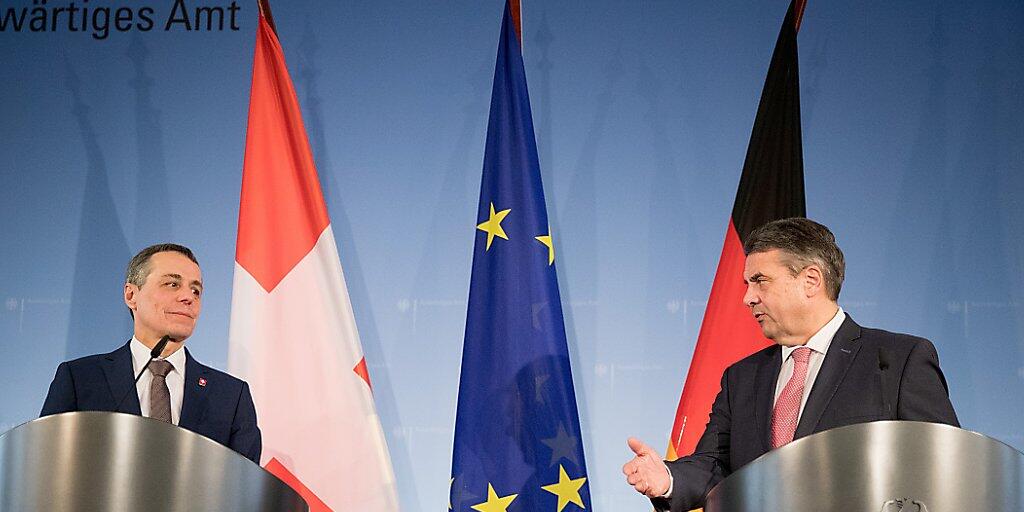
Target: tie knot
{"x": 802, "y": 355}
{"x": 160, "y": 368}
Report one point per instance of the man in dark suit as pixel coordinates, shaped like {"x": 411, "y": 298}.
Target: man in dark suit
{"x": 825, "y": 370}
{"x": 163, "y": 291}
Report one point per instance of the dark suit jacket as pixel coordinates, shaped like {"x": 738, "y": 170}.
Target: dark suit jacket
{"x": 851, "y": 387}
{"x": 221, "y": 410}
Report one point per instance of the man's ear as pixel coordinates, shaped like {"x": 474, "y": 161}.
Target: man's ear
{"x": 129, "y": 295}
{"x": 814, "y": 280}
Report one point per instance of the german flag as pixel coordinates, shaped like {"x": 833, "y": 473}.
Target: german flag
{"x": 771, "y": 187}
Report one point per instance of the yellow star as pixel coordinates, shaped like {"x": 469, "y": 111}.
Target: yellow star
{"x": 450, "y": 482}
{"x": 568, "y": 491}
{"x": 492, "y": 226}
{"x": 494, "y": 503}
{"x": 546, "y": 240}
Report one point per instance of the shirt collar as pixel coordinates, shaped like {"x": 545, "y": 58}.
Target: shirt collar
{"x": 821, "y": 339}
{"x": 140, "y": 356}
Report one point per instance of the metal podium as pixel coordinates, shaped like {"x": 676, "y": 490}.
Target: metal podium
{"x": 93, "y": 461}
{"x": 885, "y": 466}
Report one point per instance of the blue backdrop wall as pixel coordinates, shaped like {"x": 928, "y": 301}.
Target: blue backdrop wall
{"x": 914, "y": 155}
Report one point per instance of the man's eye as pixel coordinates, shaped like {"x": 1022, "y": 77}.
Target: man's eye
{"x": 172, "y": 284}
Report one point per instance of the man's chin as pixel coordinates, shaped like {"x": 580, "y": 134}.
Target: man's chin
{"x": 774, "y": 337}
{"x": 179, "y": 335}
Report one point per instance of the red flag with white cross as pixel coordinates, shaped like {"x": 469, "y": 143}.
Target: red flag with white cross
{"x": 293, "y": 335}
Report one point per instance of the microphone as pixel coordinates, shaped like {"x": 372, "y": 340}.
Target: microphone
{"x": 157, "y": 350}
{"x": 883, "y": 366}
{"x": 153, "y": 354}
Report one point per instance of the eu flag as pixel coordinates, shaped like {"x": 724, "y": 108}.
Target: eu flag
{"x": 517, "y": 433}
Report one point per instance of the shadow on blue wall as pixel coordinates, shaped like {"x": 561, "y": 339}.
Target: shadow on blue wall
{"x": 978, "y": 307}
{"x": 152, "y": 194}
{"x": 380, "y": 373}
{"x": 575, "y": 224}
{"x": 99, "y": 320}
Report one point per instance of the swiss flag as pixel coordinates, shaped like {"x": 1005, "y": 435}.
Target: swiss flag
{"x": 293, "y": 336}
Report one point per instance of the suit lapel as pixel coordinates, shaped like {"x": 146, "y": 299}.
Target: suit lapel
{"x": 193, "y": 403}
{"x": 838, "y": 360}
{"x": 767, "y": 373}
{"x": 117, "y": 366}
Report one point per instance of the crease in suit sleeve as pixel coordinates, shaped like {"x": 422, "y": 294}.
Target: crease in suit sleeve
{"x": 923, "y": 392}
{"x": 61, "y": 396}
{"x": 246, "y": 438}
{"x": 693, "y": 476}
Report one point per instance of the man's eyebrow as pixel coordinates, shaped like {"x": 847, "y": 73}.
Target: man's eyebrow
{"x": 754, "y": 277}
{"x": 195, "y": 282}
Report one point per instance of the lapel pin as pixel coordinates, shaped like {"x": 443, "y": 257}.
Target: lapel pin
{"x": 202, "y": 382}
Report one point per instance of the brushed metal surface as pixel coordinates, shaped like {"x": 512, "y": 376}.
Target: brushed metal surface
{"x": 871, "y": 467}
{"x": 93, "y": 461}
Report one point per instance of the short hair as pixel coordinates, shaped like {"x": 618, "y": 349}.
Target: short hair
{"x": 138, "y": 267}
{"x": 804, "y": 243}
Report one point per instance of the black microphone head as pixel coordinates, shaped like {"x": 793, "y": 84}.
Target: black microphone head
{"x": 159, "y": 348}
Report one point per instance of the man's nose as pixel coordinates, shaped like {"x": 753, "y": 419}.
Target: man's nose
{"x": 749, "y": 297}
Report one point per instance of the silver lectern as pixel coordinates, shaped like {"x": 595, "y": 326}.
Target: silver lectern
{"x": 93, "y": 461}
{"x": 885, "y": 466}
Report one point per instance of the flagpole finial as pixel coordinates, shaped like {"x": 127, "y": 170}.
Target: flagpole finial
{"x": 264, "y": 6}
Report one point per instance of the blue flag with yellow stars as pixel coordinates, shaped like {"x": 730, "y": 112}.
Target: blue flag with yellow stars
{"x": 517, "y": 432}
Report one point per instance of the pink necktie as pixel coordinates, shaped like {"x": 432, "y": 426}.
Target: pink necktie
{"x": 787, "y": 408}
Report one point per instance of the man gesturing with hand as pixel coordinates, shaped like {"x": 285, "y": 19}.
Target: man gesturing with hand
{"x": 824, "y": 370}
{"x": 647, "y": 473}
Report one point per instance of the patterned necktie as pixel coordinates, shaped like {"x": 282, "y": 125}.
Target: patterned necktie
{"x": 159, "y": 395}
{"x": 787, "y": 408}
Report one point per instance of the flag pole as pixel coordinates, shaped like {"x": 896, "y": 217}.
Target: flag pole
{"x": 515, "y": 8}
{"x": 264, "y": 6}
{"x": 800, "y": 6}
{"x": 519, "y": 23}
{"x": 771, "y": 187}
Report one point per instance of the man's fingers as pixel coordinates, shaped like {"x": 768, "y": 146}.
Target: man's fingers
{"x": 639, "y": 488}
{"x": 642, "y": 487}
{"x": 639, "y": 447}
{"x": 646, "y": 471}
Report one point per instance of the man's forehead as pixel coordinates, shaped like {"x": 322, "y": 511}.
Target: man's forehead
{"x": 761, "y": 262}
{"x": 169, "y": 262}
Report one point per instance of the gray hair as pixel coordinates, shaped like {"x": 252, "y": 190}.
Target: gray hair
{"x": 138, "y": 267}
{"x": 804, "y": 243}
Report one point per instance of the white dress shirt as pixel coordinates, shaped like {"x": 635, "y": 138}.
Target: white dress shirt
{"x": 175, "y": 378}
{"x": 818, "y": 344}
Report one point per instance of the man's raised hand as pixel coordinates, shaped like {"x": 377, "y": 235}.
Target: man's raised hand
{"x": 646, "y": 472}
